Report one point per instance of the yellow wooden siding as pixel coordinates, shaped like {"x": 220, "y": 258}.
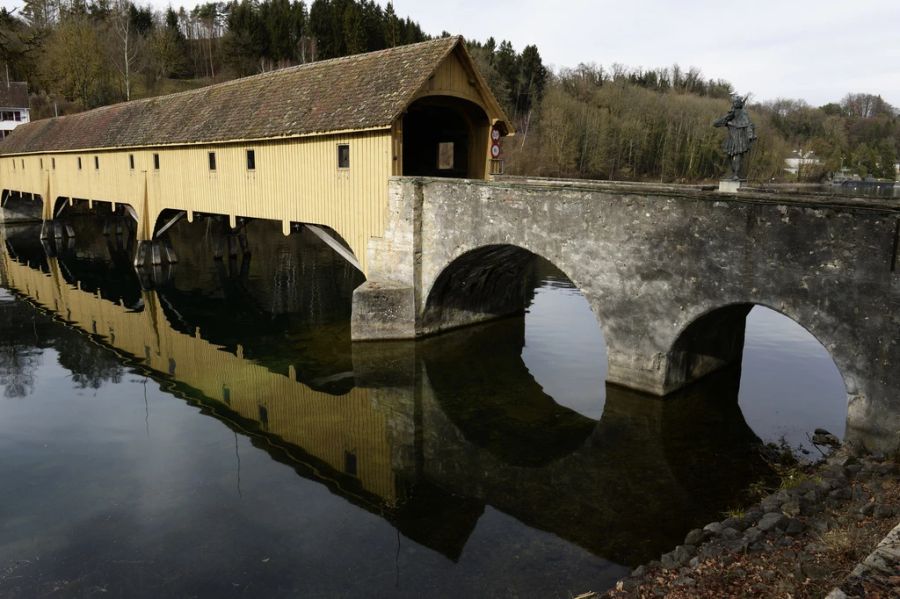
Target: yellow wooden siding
{"x": 295, "y": 180}
{"x": 323, "y": 425}
{"x": 452, "y": 78}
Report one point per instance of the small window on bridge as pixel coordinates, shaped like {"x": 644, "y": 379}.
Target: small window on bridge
{"x": 14, "y": 164}
{"x": 41, "y": 163}
{"x": 23, "y": 164}
{"x": 251, "y": 160}
{"x": 79, "y": 163}
{"x": 445, "y": 156}
{"x": 212, "y": 161}
{"x": 350, "y": 463}
{"x": 96, "y": 163}
{"x": 156, "y": 162}
{"x": 53, "y": 163}
{"x": 131, "y": 161}
{"x": 344, "y": 156}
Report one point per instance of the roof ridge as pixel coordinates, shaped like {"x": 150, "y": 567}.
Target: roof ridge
{"x": 351, "y": 93}
{"x": 290, "y": 69}
{"x": 457, "y": 41}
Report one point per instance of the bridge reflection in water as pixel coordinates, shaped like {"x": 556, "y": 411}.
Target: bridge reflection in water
{"x": 262, "y": 344}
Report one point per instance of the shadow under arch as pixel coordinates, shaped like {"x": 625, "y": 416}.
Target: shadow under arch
{"x": 716, "y": 339}
{"x": 22, "y": 243}
{"x": 21, "y": 207}
{"x": 286, "y": 301}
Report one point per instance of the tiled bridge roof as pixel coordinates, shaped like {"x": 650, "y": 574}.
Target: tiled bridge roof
{"x": 365, "y": 91}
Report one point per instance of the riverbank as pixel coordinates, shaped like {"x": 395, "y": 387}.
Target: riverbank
{"x": 802, "y": 540}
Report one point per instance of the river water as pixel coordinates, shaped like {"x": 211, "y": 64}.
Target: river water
{"x": 213, "y": 432}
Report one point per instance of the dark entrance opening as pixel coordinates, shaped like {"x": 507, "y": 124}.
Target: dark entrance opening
{"x": 445, "y": 137}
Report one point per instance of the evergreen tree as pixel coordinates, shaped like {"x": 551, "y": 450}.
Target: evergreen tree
{"x": 532, "y": 78}
{"x": 245, "y": 41}
{"x": 141, "y": 19}
{"x": 280, "y": 38}
{"x": 354, "y": 31}
{"x": 320, "y": 26}
{"x": 19, "y": 45}
{"x": 391, "y": 26}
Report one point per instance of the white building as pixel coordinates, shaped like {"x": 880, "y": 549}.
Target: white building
{"x": 799, "y": 160}
{"x": 13, "y": 106}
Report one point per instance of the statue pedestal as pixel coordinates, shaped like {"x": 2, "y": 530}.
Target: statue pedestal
{"x": 729, "y": 186}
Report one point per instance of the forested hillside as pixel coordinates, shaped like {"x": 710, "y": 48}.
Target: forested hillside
{"x": 589, "y": 121}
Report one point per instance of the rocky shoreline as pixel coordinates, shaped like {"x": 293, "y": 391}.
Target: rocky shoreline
{"x": 802, "y": 540}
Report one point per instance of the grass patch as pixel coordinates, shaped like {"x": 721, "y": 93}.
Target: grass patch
{"x": 845, "y": 544}
{"x": 793, "y": 477}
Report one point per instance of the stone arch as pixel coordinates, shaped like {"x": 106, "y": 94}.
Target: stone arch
{"x": 714, "y": 339}
{"x": 483, "y": 283}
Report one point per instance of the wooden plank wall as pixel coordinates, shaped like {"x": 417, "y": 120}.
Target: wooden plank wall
{"x": 294, "y": 181}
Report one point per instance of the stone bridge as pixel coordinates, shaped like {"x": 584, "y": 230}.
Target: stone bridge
{"x": 669, "y": 271}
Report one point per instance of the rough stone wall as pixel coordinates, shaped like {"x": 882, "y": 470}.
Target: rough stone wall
{"x": 651, "y": 261}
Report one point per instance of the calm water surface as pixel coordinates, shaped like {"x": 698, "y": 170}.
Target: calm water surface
{"x": 219, "y": 435}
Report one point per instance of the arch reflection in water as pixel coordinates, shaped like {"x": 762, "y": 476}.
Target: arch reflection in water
{"x": 565, "y": 349}
{"x": 494, "y": 434}
{"x": 789, "y": 383}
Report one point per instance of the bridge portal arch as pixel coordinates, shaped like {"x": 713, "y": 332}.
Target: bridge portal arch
{"x": 445, "y": 136}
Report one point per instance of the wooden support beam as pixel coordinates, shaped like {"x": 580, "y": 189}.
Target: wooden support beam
{"x": 335, "y": 245}
{"x": 170, "y": 223}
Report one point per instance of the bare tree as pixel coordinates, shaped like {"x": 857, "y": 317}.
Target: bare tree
{"x": 128, "y": 42}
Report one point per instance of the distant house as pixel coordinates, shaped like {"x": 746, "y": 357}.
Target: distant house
{"x": 13, "y": 106}
{"x": 844, "y": 175}
{"x": 799, "y": 160}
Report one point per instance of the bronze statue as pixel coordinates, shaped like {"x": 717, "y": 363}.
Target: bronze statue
{"x": 740, "y": 135}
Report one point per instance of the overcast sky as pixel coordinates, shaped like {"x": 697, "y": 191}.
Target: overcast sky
{"x": 815, "y": 50}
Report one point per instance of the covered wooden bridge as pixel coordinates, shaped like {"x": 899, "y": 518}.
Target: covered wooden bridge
{"x": 314, "y": 144}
